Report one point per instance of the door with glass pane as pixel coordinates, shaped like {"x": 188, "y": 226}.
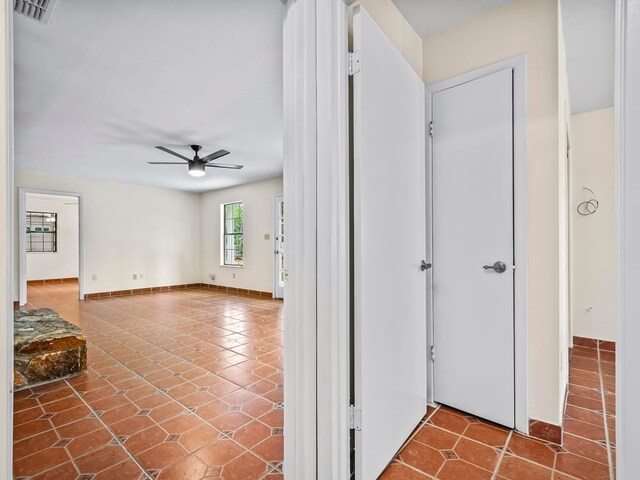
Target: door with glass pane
{"x": 280, "y": 272}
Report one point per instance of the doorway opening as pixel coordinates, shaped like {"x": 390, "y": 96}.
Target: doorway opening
{"x": 478, "y": 367}
{"x": 280, "y": 272}
{"x": 50, "y": 242}
{"x": 184, "y": 340}
{"x": 545, "y": 366}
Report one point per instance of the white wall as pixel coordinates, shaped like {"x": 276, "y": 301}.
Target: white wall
{"x": 531, "y": 27}
{"x": 628, "y": 177}
{"x": 593, "y": 238}
{"x": 63, "y": 263}
{"x": 257, "y": 272}
{"x": 131, "y": 229}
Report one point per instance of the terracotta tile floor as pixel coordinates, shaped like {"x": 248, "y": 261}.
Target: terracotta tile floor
{"x": 180, "y": 385}
{"x": 451, "y": 445}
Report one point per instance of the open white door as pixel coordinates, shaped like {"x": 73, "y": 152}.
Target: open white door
{"x": 390, "y": 347}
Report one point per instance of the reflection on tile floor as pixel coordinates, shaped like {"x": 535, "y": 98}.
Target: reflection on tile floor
{"x": 451, "y": 445}
{"x": 181, "y": 385}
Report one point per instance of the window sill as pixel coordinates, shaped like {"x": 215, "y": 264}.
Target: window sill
{"x": 232, "y": 266}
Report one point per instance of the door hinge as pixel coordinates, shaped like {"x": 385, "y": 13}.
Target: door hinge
{"x": 433, "y": 352}
{"x": 355, "y": 418}
{"x": 431, "y": 129}
{"x": 354, "y": 62}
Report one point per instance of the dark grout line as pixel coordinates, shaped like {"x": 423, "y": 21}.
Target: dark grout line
{"x": 113, "y": 435}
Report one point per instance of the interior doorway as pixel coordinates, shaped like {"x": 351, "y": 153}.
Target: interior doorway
{"x": 500, "y": 213}
{"x": 50, "y": 241}
{"x": 153, "y": 226}
{"x": 280, "y": 273}
{"x": 473, "y": 297}
{"x": 435, "y": 280}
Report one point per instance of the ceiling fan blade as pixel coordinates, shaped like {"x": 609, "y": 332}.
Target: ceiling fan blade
{"x": 165, "y": 163}
{"x": 214, "y": 155}
{"x": 224, "y": 165}
{"x": 171, "y": 152}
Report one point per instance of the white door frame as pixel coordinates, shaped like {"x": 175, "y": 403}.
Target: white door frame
{"x": 316, "y": 186}
{"x": 520, "y": 199}
{"x": 627, "y": 106}
{"x": 276, "y": 231}
{"x": 7, "y": 274}
{"x": 22, "y": 238}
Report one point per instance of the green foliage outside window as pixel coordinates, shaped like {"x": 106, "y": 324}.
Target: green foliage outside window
{"x": 233, "y": 234}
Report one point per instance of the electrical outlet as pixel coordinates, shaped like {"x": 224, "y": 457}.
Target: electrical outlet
{"x": 212, "y": 276}
{"x": 94, "y": 277}
{"x": 141, "y": 275}
{"x": 234, "y": 275}
{"x": 267, "y": 236}
{"x": 135, "y": 276}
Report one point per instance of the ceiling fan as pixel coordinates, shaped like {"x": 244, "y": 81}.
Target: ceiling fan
{"x": 197, "y": 165}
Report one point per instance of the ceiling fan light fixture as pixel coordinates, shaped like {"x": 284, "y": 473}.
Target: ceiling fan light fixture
{"x": 197, "y": 166}
{"x": 196, "y": 169}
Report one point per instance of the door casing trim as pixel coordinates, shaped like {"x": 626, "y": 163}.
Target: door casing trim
{"x": 520, "y": 208}
{"x": 22, "y": 227}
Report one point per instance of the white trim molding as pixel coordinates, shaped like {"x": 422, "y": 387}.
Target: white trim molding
{"x": 333, "y": 241}
{"x": 7, "y": 243}
{"x": 22, "y": 239}
{"x": 627, "y": 105}
{"x": 520, "y": 204}
{"x": 317, "y": 226}
{"x": 300, "y": 311}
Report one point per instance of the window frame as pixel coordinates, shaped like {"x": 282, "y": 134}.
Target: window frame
{"x": 53, "y": 233}
{"x": 224, "y": 234}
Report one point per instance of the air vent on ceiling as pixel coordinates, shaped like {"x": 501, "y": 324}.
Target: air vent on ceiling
{"x": 39, "y": 10}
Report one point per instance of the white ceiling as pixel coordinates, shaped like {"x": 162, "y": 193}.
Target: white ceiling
{"x": 98, "y": 87}
{"x": 430, "y": 16}
{"x": 589, "y": 36}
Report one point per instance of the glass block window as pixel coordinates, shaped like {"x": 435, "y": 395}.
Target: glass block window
{"x": 232, "y": 234}
{"x": 42, "y": 232}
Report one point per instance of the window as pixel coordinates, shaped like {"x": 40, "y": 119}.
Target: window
{"x": 41, "y": 232}
{"x": 232, "y": 237}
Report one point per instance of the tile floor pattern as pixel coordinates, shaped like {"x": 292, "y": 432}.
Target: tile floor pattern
{"x": 451, "y": 445}
{"x": 180, "y": 385}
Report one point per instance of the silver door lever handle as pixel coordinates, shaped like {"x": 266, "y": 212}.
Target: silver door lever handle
{"x": 499, "y": 267}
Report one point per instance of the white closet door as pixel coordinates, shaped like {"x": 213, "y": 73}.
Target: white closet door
{"x": 389, "y": 245}
{"x": 472, "y": 230}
